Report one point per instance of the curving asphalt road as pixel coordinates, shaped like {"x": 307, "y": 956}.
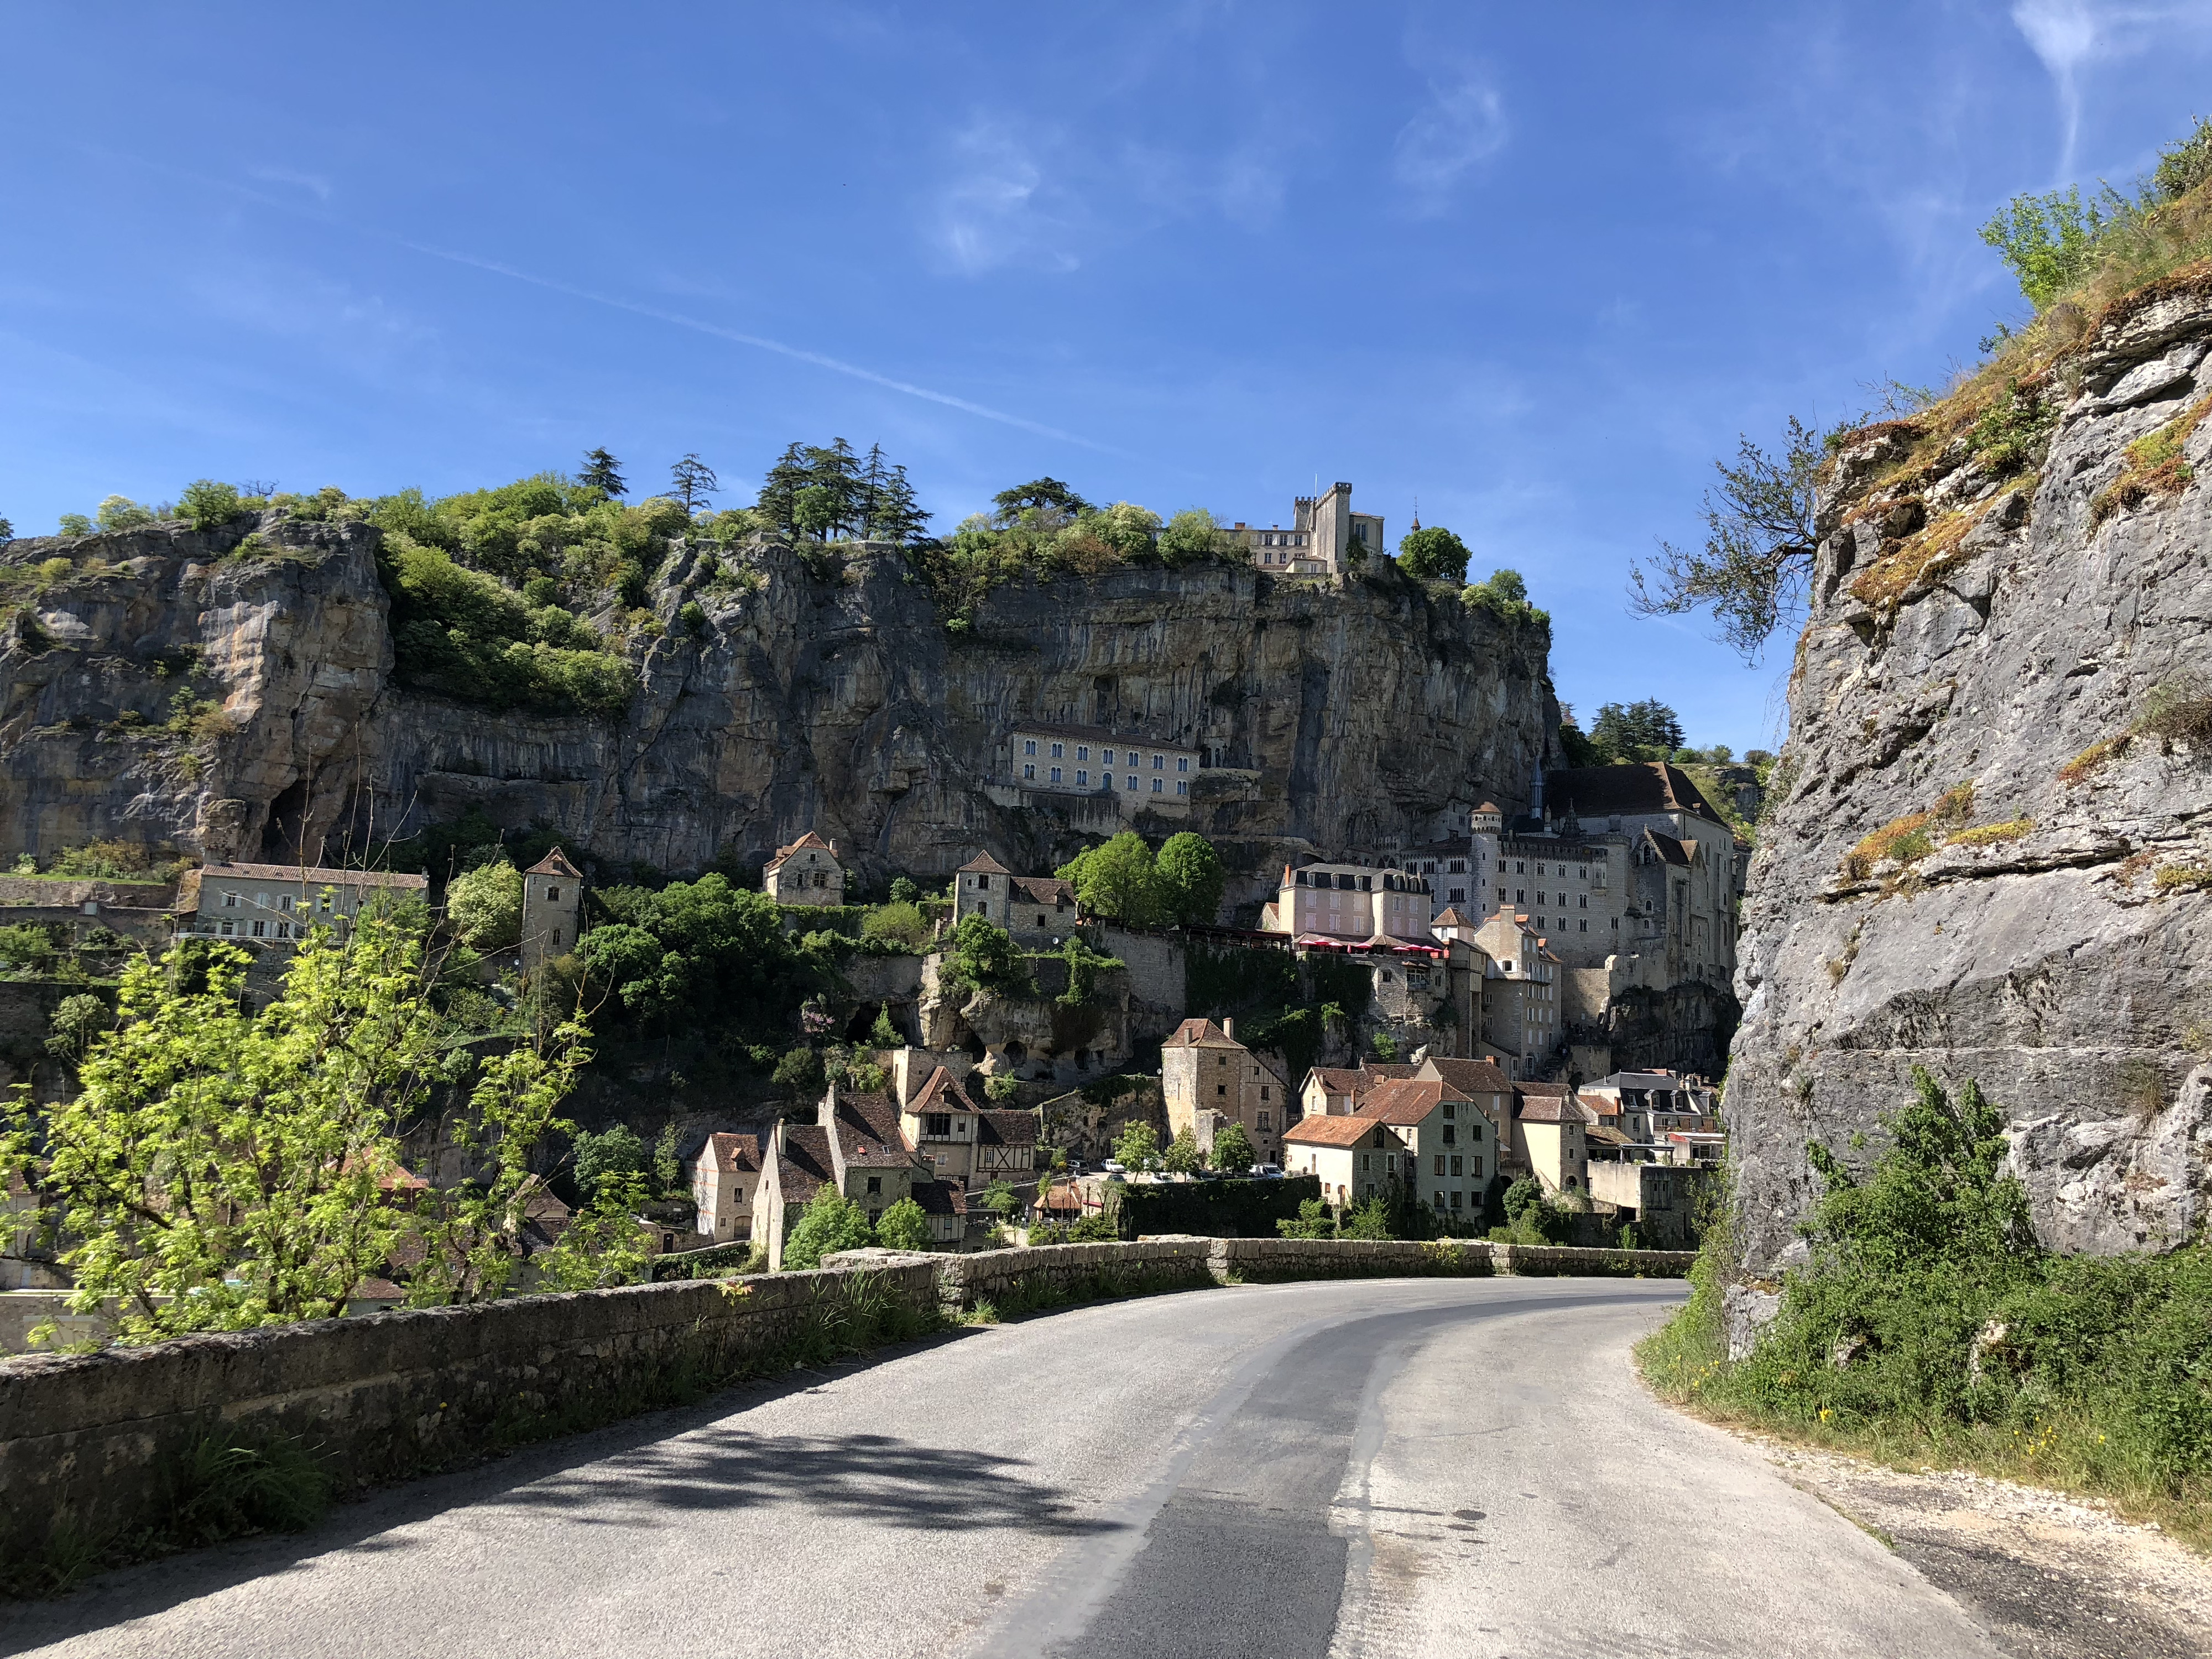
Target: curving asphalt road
{"x": 1402, "y": 1469}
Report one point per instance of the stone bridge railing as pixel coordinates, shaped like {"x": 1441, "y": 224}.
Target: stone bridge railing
{"x": 92, "y": 1445}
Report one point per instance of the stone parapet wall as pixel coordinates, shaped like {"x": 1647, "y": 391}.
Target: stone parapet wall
{"x": 87, "y": 1442}
{"x": 46, "y": 892}
{"x": 90, "y": 1444}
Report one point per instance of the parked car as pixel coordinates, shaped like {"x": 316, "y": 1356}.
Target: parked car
{"x": 1267, "y": 1171}
{"x": 1112, "y": 1167}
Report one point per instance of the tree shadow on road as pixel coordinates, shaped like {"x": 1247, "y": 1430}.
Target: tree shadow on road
{"x": 658, "y": 1470}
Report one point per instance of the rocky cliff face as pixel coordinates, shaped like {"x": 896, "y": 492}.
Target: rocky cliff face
{"x": 2023, "y": 660}
{"x": 833, "y": 697}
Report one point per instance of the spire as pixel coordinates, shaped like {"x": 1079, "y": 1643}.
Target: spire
{"x": 1417, "y": 511}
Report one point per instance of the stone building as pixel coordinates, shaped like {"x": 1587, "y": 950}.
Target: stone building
{"x": 277, "y": 904}
{"x": 1209, "y": 1078}
{"x": 1451, "y": 1148}
{"x": 1352, "y": 903}
{"x": 1550, "y": 1136}
{"x": 1130, "y": 771}
{"x": 805, "y": 872}
{"x": 725, "y": 1177}
{"x": 1520, "y": 995}
{"x": 1035, "y": 909}
{"x": 963, "y": 1141}
{"x": 1617, "y": 860}
{"x": 855, "y": 1145}
{"x": 552, "y": 905}
{"x": 1322, "y": 534}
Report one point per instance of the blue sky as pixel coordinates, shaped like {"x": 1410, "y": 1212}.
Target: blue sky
{"x": 1533, "y": 266}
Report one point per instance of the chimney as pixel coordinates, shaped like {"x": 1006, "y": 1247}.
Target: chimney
{"x": 1228, "y": 1029}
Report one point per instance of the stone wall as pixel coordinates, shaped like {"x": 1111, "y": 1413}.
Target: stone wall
{"x": 87, "y": 1441}
{"x": 88, "y": 1444}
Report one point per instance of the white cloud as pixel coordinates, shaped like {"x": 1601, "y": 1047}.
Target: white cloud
{"x": 997, "y": 209}
{"x": 1462, "y": 124}
{"x": 2069, "y": 36}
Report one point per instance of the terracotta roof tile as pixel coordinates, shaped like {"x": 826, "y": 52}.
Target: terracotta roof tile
{"x": 1318, "y": 1130}
{"x": 1470, "y": 1077}
{"x": 315, "y": 875}
{"x": 942, "y": 1093}
{"x": 555, "y": 863}
{"x": 1195, "y": 1033}
{"x": 733, "y": 1154}
{"x": 983, "y": 864}
{"x": 1006, "y": 1127}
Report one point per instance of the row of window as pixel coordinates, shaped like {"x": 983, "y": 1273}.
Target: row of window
{"x": 233, "y": 901}
{"x": 1521, "y": 897}
{"x": 1581, "y": 871}
{"x": 260, "y": 927}
{"x": 1106, "y": 755}
{"x": 1055, "y": 774}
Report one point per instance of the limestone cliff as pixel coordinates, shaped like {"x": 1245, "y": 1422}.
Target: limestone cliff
{"x": 166, "y": 684}
{"x": 1989, "y": 846}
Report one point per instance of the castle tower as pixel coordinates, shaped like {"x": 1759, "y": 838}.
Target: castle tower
{"x": 552, "y": 907}
{"x": 1487, "y": 825}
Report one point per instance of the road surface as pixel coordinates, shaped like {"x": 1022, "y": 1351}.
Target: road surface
{"x": 1408, "y": 1467}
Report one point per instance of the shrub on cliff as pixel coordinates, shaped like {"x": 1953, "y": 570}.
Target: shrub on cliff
{"x": 484, "y": 906}
{"x": 1433, "y": 554}
{"x": 983, "y": 957}
{"x": 699, "y": 955}
{"x": 1929, "y": 1323}
{"x": 459, "y": 633}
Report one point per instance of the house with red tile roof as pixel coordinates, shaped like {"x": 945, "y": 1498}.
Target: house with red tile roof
{"x": 805, "y": 872}
{"x": 1035, "y": 909}
{"x": 857, "y": 1145}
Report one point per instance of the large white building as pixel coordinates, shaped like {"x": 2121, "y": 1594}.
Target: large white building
{"x": 1320, "y": 536}
{"x": 1353, "y": 902}
{"x": 1137, "y": 773}
{"x": 278, "y": 903}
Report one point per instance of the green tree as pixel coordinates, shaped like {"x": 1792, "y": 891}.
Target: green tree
{"x": 222, "y": 1169}
{"x": 610, "y": 1155}
{"x": 691, "y": 481}
{"x": 882, "y": 1034}
{"x": 1232, "y": 1148}
{"x": 1001, "y": 1201}
{"x": 814, "y": 511}
{"x": 1753, "y": 571}
{"x": 1138, "y": 1146}
{"x": 603, "y": 472}
{"x": 606, "y": 1243}
{"x": 1385, "y": 1046}
{"x": 1189, "y": 879}
{"x": 2049, "y": 242}
{"x": 1181, "y": 1157}
{"x": 903, "y": 1226}
{"x": 800, "y": 1072}
{"x": 1433, "y": 554}
{"x": 1001, "y": 1089}
{"x": 484, "y": 906}
{"x": 27, "y": 947}
{"x": 74, "y": 523}
{"x": 207, "y": 505}
{"x": 1370, "y": 1220}
{"x": 1506, "y": 596}
{"x": 667, "y": 1168}
{"x": 1313, "y": 1220}
{"x": 1191, "y": 535}
{"x": 7, "y": 529}
{"x": 983, "y": 957}
{"x": 904, "y": 890}
{"x": 77, "y": 1021}
{"x": 1119, "y": 880}
{"x": 1645, "y": 731}
{"x": 830, "y": 1223}
{"x": 1039, "y": 495}
{"x": 120, "y": 513}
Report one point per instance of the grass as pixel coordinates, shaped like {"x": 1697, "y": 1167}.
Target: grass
{"x": 2156, "y": 465}
{"x": 1926, "y": 553}
{"x": 219, "y": 1487}
{"x": 1911, "y": 838}
{"x": 2176, "y": 878}
{"x": 2092, "y": 759}
{"x": 1991, "y": 835}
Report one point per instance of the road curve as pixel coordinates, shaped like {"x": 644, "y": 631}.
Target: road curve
{"x": 1401, "y": 1469}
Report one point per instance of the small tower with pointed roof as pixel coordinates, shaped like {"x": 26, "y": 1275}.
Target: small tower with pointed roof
{"x": 552, "y": 909}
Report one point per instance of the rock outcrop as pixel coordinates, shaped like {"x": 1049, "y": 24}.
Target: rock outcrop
{"x": 161, "y": 685}
{"x": 1988, "y": 849}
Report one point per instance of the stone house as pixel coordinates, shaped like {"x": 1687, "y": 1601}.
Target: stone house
{"x": 1484, "y": 1082}
{"x": 1349, "y": 903}
{"x": 856, "y": 1144}
{"x": 1323, "y": 529}
{"x": 967, "y": 1143}
{"x": 1449, "y": 1149}
{"x": 552, "y": 907}
{"x": 1647, "y": 1107}
{"x": 724, "y": 1178}
{"x": 1354, "y": 1157}
{"x": 277, "y": 904}
{"x": 1132, "y": 770}
{"x": 1209, "y": 1078}
{"x": 1550, "y": 1138}
{"x": 1035, "y": 909}
{"x": 1521, "y": 993}
{"x": 1338, "y": 1090}
{"x": 805, "y": 872}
